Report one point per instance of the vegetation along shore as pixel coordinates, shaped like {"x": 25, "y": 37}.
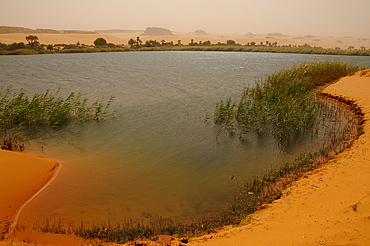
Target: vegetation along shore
{"x": 285, "y": 104}
{"x": 33, "y": 46}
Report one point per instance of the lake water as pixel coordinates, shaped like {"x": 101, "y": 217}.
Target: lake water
{"x": 158, "y": 156}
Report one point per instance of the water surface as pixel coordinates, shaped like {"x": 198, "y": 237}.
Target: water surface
{"x": 158, "y": 156}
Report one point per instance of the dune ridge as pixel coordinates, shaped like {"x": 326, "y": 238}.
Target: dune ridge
{"x": 23, "y": 177}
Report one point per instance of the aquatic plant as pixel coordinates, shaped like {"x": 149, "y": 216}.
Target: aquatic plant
{"x": 285, "y": 102}
{"x": 344, "y": 125}
{"x": 22, "y": 117}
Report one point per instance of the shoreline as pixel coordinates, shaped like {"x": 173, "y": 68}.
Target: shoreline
{"x": 23, "y": 177}
{"x": 81, "y": 43}
{"x": 185, "y": 37}
{"x": 302, "y": 216}
{"x": 16, "y": 217}
{"x": 327, "y": 206}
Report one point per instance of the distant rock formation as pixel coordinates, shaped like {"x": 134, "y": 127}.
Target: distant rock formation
{"x": 157, "y": 31}
{"x": 77, "y": 32}
{"x": 200, "y": 32}
{"x": 12, "y": 29}
{"x": 275, "y": 34}
{"x": 117, "y": 31}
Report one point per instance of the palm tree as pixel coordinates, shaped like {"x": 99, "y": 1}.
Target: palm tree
{"x": 138, "y": 42}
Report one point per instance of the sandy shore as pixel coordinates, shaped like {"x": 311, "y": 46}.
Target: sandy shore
{"x": 328, "y": 206}
{"x": 22, "y": 177}
{"x": 122, "y": 38}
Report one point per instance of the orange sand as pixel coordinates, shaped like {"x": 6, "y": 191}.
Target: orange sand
{"x": 122, "y": 38}
{"x": 328, "y": 206}
{"x": 22, "y": 177}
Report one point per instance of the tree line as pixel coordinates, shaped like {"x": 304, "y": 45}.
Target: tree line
{"x": 33, "y": 46}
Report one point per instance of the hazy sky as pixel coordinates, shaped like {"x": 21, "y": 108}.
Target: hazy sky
{"x": 315, "y": 17}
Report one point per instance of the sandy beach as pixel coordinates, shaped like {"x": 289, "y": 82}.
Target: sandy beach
{"x": 122, "y": 38}
{"x": 328, "y": 206}
{"x": 22, "y": 177}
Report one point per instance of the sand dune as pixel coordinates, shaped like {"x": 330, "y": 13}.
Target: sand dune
{"x": 87, "y": 39}
{"x": 122, "y": 38}
{"x": 22, "y": 177}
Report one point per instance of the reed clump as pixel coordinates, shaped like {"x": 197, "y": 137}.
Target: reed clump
{"x": 342, "y": 119}
{"x": 22, "y": 116}
{"x": 285, "y": 102}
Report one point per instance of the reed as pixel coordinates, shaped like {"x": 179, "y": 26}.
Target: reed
{"x": 337, "y": 120}
{"x": 22, "y": 52}
{"x": 22, "y": 117}
{"x": 284, "y": 102}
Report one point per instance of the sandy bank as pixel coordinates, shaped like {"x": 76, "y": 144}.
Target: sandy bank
{"x": 328, "y": 206}
{"x": 21, "y": 178}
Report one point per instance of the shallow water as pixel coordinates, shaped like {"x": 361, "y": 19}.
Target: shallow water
{"x": 158, "y": 156}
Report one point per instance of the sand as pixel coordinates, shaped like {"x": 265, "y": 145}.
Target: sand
{"x": 328, "y": 206}
{"x": 122, "y": 38}
{"x": 22, "y": 177}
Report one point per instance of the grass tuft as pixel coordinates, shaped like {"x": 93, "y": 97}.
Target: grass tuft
{"x": 22, "y": 116}
{"x": 266, "y": 104}
{"x": 285, "y": 102}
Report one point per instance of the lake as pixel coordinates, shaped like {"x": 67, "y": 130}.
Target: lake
{"x": 158, "y": 156}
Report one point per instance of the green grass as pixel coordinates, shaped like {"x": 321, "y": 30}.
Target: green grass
{"x": 22, "y": 52}
{"x": 284, "y": 102}
{"x": 223, "y": 47}
{"x": 22, "y": 116}
{"x": 285, "y": 87}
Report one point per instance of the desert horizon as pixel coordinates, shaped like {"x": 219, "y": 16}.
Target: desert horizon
{"x": 121, "y": 37}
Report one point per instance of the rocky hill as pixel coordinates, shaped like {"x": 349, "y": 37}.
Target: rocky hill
{"x": 200, "y": 32}
{"x": 157, "y": 31}
{"x": 12, "y": 29}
